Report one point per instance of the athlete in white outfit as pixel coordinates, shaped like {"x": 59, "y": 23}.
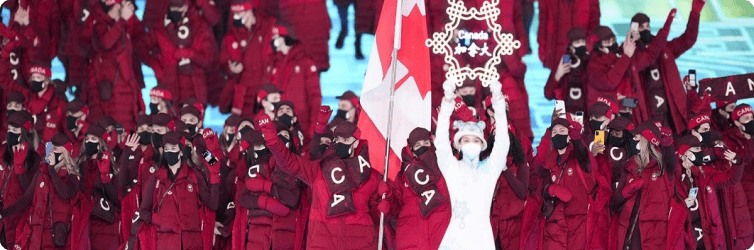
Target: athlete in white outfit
{"x": 471, "y": 183}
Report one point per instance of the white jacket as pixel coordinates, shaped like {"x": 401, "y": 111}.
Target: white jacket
{"x": 471, "y": 184}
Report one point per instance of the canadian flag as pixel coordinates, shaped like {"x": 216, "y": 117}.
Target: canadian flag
{"x": 412, "y": 97}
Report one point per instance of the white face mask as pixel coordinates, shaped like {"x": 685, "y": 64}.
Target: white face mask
{"x": 471, "y": 150}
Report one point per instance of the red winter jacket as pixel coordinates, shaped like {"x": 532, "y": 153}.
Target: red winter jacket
{"x": 14, "y": 64}
{"x": 96, "y": 220}
{"x": 508, "y": 204}
{"x": 75, "y": 47}
{"x": 13, "y": 186}
{"x": 49, "y": 113}
{"x": 176, "y": 210}
{"x": 713, "y": 234}
{"x": 566, "y": 171}
{"x": 353, "y": 230}
{"x": 252, "y": 49}
{"x": 414, "y": 230}
{"x": 735, "y": 140}
{"x": 136, "y": 167}
{"x": 661, "y": 219}
{"x": 43, "y": 29}
{"x": 113, "y": 89}
{"x": 556, "y": 18}
{"x": 297, "y": 77}
{"x": 572, "y": 87}
{"x": 186, "y": 50}
{"x": 311, "y": 24}
{"x": 49, "y": 207}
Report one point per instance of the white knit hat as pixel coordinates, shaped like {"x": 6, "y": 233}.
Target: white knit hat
{"x": 469, "y": 128}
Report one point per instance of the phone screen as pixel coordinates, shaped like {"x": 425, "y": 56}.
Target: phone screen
{"x": 599, "y": 137}
{"x": 692, "y": 77}
{"x": 693, "y": 192}
{"x": 560, "y": 105}
{"x": 48, "y": 151}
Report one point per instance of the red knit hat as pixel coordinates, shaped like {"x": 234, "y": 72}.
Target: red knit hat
{"x": 174, "y": 138}
{"x": 178, "y": 3}
{"x": 698, "y": 120}
{"x": 15, "y": 96}
{"x": 40, "y": 69}
{"x": 284, "y": 29}
{"x": 687, "y": 142}
{"x": 621, "y": 123}
{"x": 21, "y": 119}
{"x": 161, "y": 92}
{"x": 720, "y": 104}
{"x": 611, "y": 103}
{"x": 741, "y": 110}
{"x": 640, "y": 18}
{"x": 161, "y": 119}
{"x": 347, "y": 129}
{"x": 111, "y": 2}
{"x": 418, "y": 134}
{"x": 106, "y": 121}
{"x": 241, "y": 5}
{"x": 603, "y": 33}
{"x": 576, "y": 33}
{"x": 232, "y": 121}
{"x": 96, "y": 130}
{"x": 250, "y": 139}
{"x": 76, "y": 106}
{"x": 143, "y": 120}
{"x": 599, "y": 109}
{"x": 60, "y": 140}
{"x": 351, "y": 97}
{"x": 649, "y": 131}
{"x": 266, "y": 89}
{"x": 192, "y": 111}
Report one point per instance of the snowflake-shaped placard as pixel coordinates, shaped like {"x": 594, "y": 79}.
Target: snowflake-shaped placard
{"x": 441, "y": 42}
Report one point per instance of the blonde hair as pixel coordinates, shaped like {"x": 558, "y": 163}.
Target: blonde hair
{"x": 68, "y": 163}
{"x": 645, "y": 156}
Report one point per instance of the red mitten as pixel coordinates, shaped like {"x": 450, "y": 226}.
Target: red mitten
{"x": 560, "y": 192}
{"x": 574, "y": 130}
{"x": 669, "y": 20}
{"x": 324, "y": 115}
{"x": 461, "y": 111}
{"x": 631, "y": 188}
{"x": 271, "y": 204}
{"x": 210, "y": 139}
{"x": 384, "y": 206}
{"x": 239, "y": 94}
{"x": 111, "y": 140}
{"x": 19, "y": 157}
{"x": 697, "y": 5}
{"x": 104, "y": 167}
{"x": 264, "y": 124}
{"x": 667, "y": 136}
{"x": 214, "y": 173}
{"x": 383, "y": 189}
{"x": 258, "y": 185}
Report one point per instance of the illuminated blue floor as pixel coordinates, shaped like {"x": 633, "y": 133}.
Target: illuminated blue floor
{"x": 725, "y": 47}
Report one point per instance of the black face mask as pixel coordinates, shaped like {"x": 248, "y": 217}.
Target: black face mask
{"x": 286, "y": 119}
{"x": 13, "y": 139}
{"x": 175, "y": 16}
{"x": 343, "y": 150}
{"x": 58, "y": 159}
{"x": 230, "y": 136}
{"x": 468, "y": 99}
{"x": 285, "y": 141}
{"x": 698, "y": 158}
{"x": 706, "y": 137}
{"x": 36, "y": 86}
{"x": 341, "y": 114}
{"x": 154, "y": 108}
{"x": 595, "y": 125}
{"x": 323, "y": 148}
{"x": 70, "y": 122}
{"x": 238, "y": 22}
{"x": 192, "y": 129}
{"x": 91, "y": 148}
{"x": 579, "y": 51}
{"x": 260, "y": 153}
{"x": 10, "y": 112}
{"x": 749, "y": 127}
{"x": 145, "y": 138}
{"x": 276, "y": 105}
{"x": 421, "y": 151}
{"x": 626, "y": 115}
{"x": 613, "y": 48}
{"x": 156, "y": 140}
{"x": 633, "y": 147}
{"x": 560, "y": 141}
{"x": 615, "y": 141}
{"x": 645, "y": 36}
{"x": 171, "y": 158}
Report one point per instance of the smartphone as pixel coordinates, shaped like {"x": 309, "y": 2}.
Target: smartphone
{"x": 48, "y": 151}
{"x": 566, "y": 59}
{"x": 209, "y": 157}
{"x": 599, "y": 137}
{"x": 629, "y": 102}
{"x": 692, "y": 78}
{"x": 579, "y": 117}
{"x": 693, "y": 192}
{"x": 560, "y": 105}
{"x": 634, "y": 29}
{"x": 119, "y": 128}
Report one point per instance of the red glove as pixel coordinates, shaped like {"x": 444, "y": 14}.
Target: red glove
{"x": 631, "y": 188}
{"x": 560, "y": 192}
{"x": 669, "y": 20}
{"x": 258, "y": 185}
{"x": 574, "y": 130}
{"x": 324, "y": 115}
{"x": 184, "y": 53}
{"x": 697, "y": 5}
{"x": 210, "y": 139}
{"x": 271, "y": 204}
{"x": 104, "y": 167}
{"x": 383, "y": 189}
{"x": 384, "y": 206}
{"x": 667, "y": 137}
{"x": 264, "y": 124}
{"x": 461, "y": 111}
{"x": 19, "y": 157}
{"x": 239, "y": 93}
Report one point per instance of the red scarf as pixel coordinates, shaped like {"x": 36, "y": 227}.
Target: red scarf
{"x": 37, "y": 105}
{"x": 422, "y": 175}
{"x": 342, "y": 176}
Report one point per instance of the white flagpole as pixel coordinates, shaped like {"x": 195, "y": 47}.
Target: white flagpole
{"x": 393, "y": 68}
